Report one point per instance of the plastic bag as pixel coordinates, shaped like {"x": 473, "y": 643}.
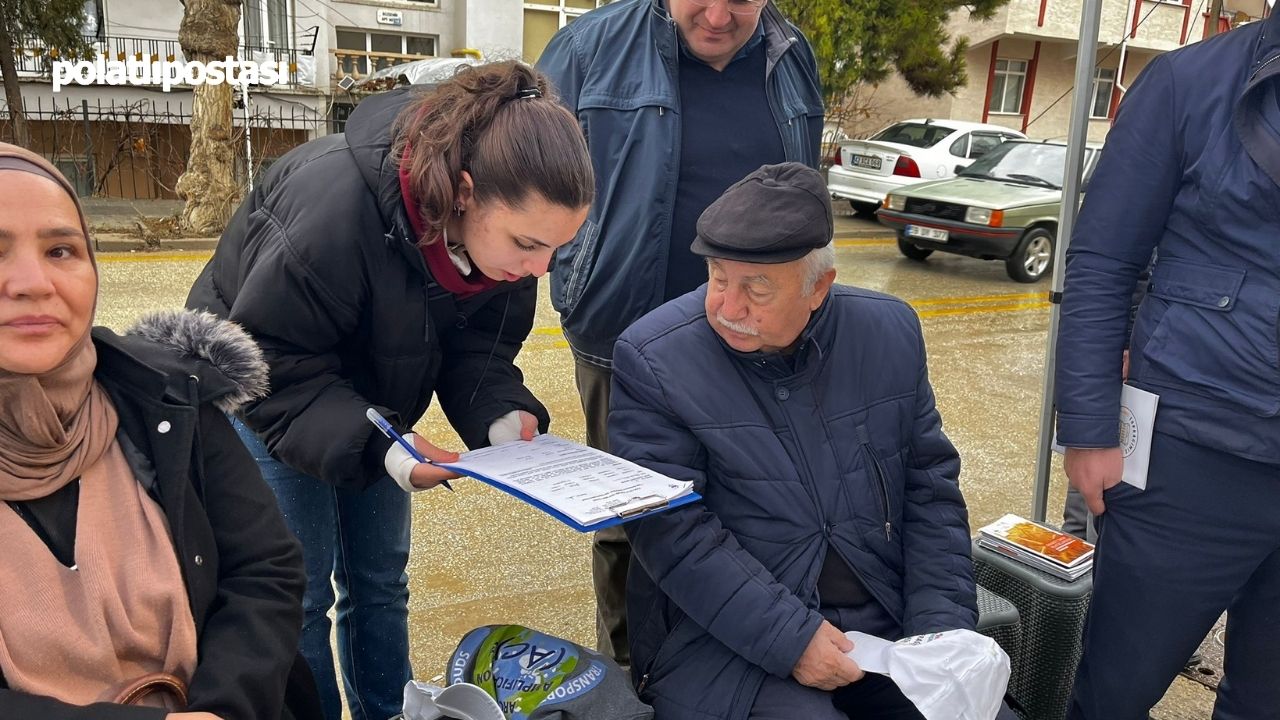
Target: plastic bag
{"x": 952, "y": 675}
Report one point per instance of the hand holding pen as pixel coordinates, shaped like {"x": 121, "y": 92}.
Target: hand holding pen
{"x": 410, "y": 463}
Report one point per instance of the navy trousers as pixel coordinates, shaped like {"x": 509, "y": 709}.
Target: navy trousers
{"x": 1204, "y": 537}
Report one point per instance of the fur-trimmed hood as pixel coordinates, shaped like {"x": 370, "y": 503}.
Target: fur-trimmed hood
{"x": 223, "y": 360}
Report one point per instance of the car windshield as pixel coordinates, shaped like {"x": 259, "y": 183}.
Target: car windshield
{"x": 919, "y": 135}
{"x": 1039, "y": 164}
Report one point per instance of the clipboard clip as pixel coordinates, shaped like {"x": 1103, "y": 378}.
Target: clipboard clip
{"x": 638, "y": 505}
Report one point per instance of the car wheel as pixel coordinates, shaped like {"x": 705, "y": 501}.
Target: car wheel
{"x": 915, "y": 252}
{"x": 864, "y": 208}
{"x": 1033, "y": 258}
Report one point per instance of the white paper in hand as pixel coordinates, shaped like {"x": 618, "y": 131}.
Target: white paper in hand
{"x": 952, "y": 675}
{"x": 1137, "y": 425}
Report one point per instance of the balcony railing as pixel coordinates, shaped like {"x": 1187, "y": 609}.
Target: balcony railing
{"x": 359, "y": 63}
{"x": 33, "y": 58}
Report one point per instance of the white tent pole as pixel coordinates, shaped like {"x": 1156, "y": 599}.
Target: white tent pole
{"x": 1077, "y": 136}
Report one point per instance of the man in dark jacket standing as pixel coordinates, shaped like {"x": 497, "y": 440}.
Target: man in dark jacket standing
{"x": 1192, "y": 170}
{"x": 802, "y": 412}
{"x": 678, "y": 99}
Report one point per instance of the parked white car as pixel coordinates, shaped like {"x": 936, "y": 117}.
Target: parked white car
{"x": 911, "y": 151}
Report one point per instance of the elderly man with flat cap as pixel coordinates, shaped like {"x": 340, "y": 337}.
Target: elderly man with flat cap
{"x": 802, "y": 412}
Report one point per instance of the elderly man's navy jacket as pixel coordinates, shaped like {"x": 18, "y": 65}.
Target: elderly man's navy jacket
{"x": 838, "y": 447}
{"x": 1192, "y": 168}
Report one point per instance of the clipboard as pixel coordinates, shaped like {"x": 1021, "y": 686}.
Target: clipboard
{"x": 582, "y": 487}
{"x": 624, "y": 512}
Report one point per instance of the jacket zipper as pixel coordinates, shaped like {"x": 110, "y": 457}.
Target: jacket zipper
{"x": 1262, "y": 67}
{"x": 876, "y": 468}
{"x": 575, "y": 274}
{"x": 884, "y": 490}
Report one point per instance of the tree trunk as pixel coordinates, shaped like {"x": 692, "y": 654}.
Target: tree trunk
{"x": 12, "y": 92}
{"x": 209, "y": 187}
{"x": 1215, "y": 12}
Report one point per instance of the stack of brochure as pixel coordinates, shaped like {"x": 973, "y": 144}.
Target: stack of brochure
{"x": 1055, "y": 552}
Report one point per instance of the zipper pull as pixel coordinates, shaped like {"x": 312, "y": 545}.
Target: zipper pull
{"x": 888, "y": 529}
{"x": 644, "y": 680}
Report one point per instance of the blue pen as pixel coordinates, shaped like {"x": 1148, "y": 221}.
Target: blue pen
{"x": 384, "y": 426}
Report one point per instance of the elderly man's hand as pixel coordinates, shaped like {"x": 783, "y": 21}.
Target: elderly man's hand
{"x": 1092, "y": 470}
{"x": 824, "y": 664}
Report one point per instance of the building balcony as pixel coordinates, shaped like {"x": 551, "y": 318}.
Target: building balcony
{"x": 34, "y": 60}
{"x": 359, "y": 64}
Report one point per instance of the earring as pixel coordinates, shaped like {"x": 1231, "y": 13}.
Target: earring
{"x": 457, "y": 209}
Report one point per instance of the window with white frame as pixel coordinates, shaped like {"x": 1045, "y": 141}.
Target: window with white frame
{"x": 361, "y": 52}
{"x": 266, "y": 24}
{"x": 1006, "y": 86}
{"x": 543, "y": 18}
{"x": 1104, "y": 85}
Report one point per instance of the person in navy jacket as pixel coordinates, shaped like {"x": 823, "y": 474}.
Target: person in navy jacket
{"x": 1192, "y": 171}
{"x": 802, "y": 412}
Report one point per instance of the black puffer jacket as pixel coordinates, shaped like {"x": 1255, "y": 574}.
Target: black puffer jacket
{"x": 171, "y": 379}
{"x": 320, "y": 266}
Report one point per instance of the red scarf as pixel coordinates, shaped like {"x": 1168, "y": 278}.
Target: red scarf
{"x": 435, "y": 253}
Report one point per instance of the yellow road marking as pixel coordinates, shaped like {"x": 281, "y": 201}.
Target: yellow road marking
{"x": 863, "y": 243}
{"x": 978, "y": 310}
{"x": 1005, "y": 297}
{"x": 198, "y": 255}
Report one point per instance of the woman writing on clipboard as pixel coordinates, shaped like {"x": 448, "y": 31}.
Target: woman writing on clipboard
{"x": 376, "y": 268}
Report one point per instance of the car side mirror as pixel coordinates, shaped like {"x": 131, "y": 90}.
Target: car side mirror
{"x": 959, "y": 169}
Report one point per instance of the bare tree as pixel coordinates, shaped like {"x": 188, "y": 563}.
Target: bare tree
{"x": 208, "y": 33}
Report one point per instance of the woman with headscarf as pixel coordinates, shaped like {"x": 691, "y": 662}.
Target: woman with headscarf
{"x": 142, "y": 549}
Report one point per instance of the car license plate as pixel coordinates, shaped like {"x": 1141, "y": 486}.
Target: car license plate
{"x": 870, "y": 162}
{"x": 928, "y": 233}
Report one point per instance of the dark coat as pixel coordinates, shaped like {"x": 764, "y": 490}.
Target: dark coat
{"x": 1192, "y": 170}
{"x": 241, "y": 565}
{"x": 320, "y": 265}
{"x": 842, "y": 451}
{"x": 616, "y": 70}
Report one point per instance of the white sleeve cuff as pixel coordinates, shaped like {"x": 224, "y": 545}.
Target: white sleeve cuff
{"x": 399, "y": 464}
{"x": 505, "y": 428}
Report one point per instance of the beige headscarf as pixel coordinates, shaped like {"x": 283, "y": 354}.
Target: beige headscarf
{"x": 80, "y": 634}
{"x": 56, "y": 424}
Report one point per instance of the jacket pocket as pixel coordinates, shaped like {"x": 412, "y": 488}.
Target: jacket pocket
{"x": 682, "y": 632}
{"x": 874, "y": 494}
{"x": 576, "y": 262}
{"x": 1216, "y": 336}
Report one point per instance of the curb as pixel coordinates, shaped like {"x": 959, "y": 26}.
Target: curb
{"x": 112, "y": 242}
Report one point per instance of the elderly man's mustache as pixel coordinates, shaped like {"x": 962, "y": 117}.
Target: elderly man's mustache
{"x": 737, "y": 327}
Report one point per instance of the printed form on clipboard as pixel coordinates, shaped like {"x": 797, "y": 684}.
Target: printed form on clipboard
{"x": 582, "y": 487}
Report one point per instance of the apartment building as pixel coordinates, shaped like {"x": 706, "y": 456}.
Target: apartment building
{"x": 132, "y": 141}
{"x": 1021, "y": 63}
